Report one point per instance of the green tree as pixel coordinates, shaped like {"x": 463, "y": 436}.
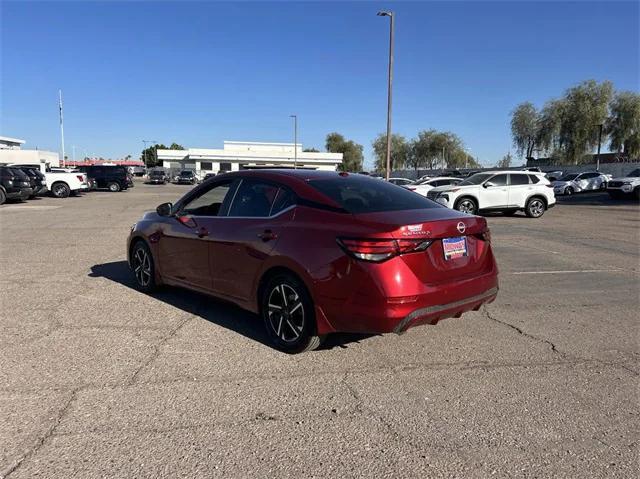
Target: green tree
{"x": 585, "y": 107}
{"x": 623, "y": 126}
{"x": 525, "y": 129}
{"x": 150, "y": 155}
{"x": 505, "y": 162}
{"x": 311, "y": 150}
{"x": 352, "y": 156}
{"x": 400, "y": 151}
{"x": 432, "y": 149}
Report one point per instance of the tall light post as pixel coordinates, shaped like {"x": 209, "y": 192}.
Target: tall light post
{"x": 295, "y": 141}
{"x": 144, "y": 152}
{"x": 599, "y": 143}
{"x": 389, "y": 14}
{"x": 61, "y": 127}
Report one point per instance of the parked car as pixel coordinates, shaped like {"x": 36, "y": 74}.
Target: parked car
{"x": 137, "y": 170}
{"x": 158, "y": 177}
{"x": 579, "y": 182}
{"x": 62, "y": 182}
{"x": 14, "y": 184}
{"x": 628, "y": 186}
{"x": 400, "y": 181}
{"x": 391, "y": 259}
{"x": 186, "y": 177}
{"x": 114, "y": 178}
{"x": 504, "y": 191}
{"x": 423, "y": 187}
{"x": 554, "y": 175}
{"x": 36, "y": 177}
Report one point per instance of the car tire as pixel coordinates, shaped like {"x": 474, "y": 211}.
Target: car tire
{"x": 467, "y": 205}
{"x": 603, "y": 186}
{"x": 114, "y": 186}
{"x": 568, "y": 191}
{"x": 535, "y": 207}
{"x": 60, "y": 190}
{"x": 143, "y": 267}
{"x": 289, "y": 314}
{"x": 3, "y": 197}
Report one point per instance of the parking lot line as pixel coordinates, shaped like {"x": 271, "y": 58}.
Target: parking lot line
{"x": 569, "y": 271}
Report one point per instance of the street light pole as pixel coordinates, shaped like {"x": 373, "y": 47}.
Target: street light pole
{"x": 295, "y": 141}
{"x": 599, "y": 143}
{"x": 389, "y": 86}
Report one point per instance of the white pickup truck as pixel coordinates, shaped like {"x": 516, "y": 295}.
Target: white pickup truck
{"x": 63, "y": 183}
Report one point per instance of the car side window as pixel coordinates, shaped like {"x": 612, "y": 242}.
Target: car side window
{"x": 499, "y": 180}
{"x": 253, "y": 199}
{"x": 534, "y": 179}
{"x": 517, "y": 179}
{"x": 284, "y": 198}
{"x": 210, "y": 201}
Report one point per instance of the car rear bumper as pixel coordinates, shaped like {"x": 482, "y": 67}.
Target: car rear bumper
{"x": 370, "y": 310}
{"x": 620, "y": 189}
{"x": 433, "y": 314}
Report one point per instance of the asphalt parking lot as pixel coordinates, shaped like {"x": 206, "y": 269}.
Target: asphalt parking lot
{"x": 99, "y": 380}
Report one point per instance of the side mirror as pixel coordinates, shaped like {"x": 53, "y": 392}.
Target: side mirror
{"x": 164, "y": 209}
{"x": 488, "y": 184}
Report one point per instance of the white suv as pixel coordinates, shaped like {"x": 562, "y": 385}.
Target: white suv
{"x": 506, "y": 191}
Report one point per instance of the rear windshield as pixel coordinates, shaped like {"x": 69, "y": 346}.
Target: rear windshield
{"x": 634, "y": 173}
{"x": 360, "y": 194}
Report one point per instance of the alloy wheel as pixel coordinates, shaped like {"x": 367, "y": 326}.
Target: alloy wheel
{"x": 142, "y": 266}
{"x": 59, "y": 190}
{"x": 286, "y": 313}
{"x": 536, "y": 207}
{"x": 467, "y": 206}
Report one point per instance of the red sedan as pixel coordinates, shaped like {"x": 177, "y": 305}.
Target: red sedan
{"x": 318, "y": 252}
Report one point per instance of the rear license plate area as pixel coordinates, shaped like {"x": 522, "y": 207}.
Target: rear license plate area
{"x": 454, "y": 247}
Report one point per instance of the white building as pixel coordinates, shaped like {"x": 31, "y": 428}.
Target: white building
{"x": 11, "y": 152}
{"x": 237, "y": 155}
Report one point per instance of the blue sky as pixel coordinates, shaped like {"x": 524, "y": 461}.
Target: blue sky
{"x": 201, "y": 73}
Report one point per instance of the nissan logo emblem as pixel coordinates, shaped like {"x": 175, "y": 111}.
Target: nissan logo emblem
{"x": 461, "y": 227}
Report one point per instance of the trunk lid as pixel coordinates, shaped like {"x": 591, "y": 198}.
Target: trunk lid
{"x": 436, "y": 225}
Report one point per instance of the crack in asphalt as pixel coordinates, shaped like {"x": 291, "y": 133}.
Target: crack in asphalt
{"x": 43, "y": 439}
{"x": 156, "y": 350}
{"x": 555, "y": 350}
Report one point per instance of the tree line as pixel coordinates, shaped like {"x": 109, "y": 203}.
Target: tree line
{"x": 568, "y": 128}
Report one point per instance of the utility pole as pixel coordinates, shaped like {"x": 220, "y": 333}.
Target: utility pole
{"x": 295, "y": 141}
{"x": 61, "y": 127}
{"x": 389, "y": 86}
{"x": 599, "y": 143}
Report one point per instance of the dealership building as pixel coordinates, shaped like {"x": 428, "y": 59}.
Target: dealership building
{"x": 11, "y": 152}
{"x": 238, "y": 155}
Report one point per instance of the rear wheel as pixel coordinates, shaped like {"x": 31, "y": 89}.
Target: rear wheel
{"x": 143, "y": 267}
{"x": 288, "y": 313}
{"x": 3, "y": 197}
{"x": 114, "y": 186}
{"x": 467, "y": 205}
{"x": 535, "y": 207}
{"x": 60, "y": 190}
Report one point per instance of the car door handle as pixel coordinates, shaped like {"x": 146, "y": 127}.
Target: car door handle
{"x": 267, "y": 235}
{"x": 202, "y": 232}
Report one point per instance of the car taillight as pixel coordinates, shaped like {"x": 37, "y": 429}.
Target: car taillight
{"x": 411, "y": 188}
{"x": 378, "y": 250}
{"x": 80, "y": 177}
{"x": 485, "y": 235}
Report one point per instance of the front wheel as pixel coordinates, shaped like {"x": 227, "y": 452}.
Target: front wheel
{"x": 535, "y": 208}
{"x": 143, "y": 267}
{"x": 3, "y": 197}
{"x": 467, "y": 205}
{"x": 288, "y": 314}
{"x": 568, "y": 191}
